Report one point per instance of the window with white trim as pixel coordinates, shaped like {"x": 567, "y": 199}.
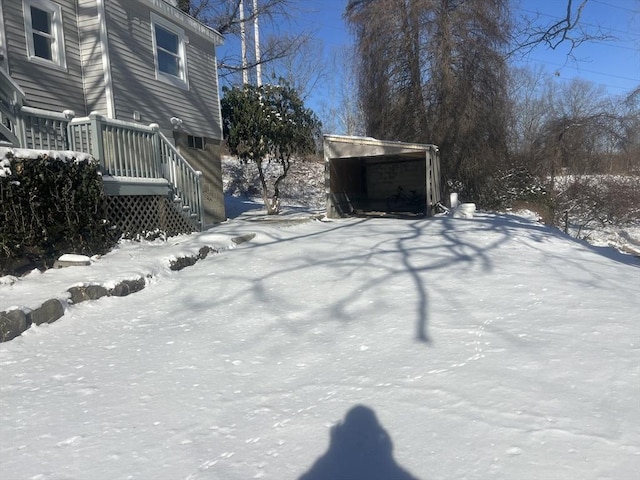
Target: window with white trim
{"x": 169, "y": 44}
{"x": 44, "y": 32}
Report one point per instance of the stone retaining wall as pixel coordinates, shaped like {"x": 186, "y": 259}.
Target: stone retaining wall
{"x": 14, "y": 322}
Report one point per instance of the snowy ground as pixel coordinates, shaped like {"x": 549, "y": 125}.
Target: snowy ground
{"x": 304, "y": 186}
{"x": 443, "y": 348}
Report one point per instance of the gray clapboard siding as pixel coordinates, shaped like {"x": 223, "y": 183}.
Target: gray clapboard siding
{"x": 135, "y": 87}
{"x": 45, "y": 87}
{"x": 81, "y": 87}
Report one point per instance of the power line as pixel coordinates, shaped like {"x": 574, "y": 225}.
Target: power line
{"x": 620, "y": 77}
{"x": 557, "y": 76}
{"x": 606, "y": 29}
{"x": 613, "y": 45}
{"x": 607, "y": 85}
{"x": 616, "y": 6}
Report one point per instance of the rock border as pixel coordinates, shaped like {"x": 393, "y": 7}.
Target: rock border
{"x": 14, "y": 323}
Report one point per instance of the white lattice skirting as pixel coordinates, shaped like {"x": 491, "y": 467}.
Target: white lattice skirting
{"x": 139, "y": 214}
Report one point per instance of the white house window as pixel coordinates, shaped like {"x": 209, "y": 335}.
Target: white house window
{"x": 44, "y": 33}
{"x": 170, "y": 51}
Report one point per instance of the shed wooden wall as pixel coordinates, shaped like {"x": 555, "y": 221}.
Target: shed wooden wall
{"x": 384, "y": 177}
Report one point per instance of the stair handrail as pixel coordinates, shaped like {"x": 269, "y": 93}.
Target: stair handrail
{"x": 186, "y": 180}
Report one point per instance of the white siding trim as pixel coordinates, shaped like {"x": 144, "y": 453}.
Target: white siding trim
{"x": 187, "y": 21}
{"x": 4, "y": 63}
{"x": 57, "y": 32}
{"x": 106, "y": 62}
{"x": 216, "y": 80}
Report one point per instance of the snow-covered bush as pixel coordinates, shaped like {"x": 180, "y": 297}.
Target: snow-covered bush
{"x": 268, "y": 126}
{"x": 518, "y": 188}
{"x": 52, "y": 203}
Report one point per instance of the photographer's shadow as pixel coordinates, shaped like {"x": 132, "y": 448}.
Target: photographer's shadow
{"x": 360, "y": 449}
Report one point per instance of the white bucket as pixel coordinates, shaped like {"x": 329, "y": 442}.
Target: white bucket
{"x": 453, "y": 200}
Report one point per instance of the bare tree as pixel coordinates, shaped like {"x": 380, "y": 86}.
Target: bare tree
{"x": 583, "y": 131}
{"x": 225, "y": 17}
{"x": 297, "y": 70}
{"x": 388, "y": 43}
{"x": 185, "y": 5}
{"x": 434, "y": 71}
{"x": 341, "y": 110}
{"x": 628, "y": 159}
{"x": 529, "y": 94}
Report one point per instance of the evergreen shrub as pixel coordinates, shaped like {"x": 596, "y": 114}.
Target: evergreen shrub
{"x": 52, "y": 203}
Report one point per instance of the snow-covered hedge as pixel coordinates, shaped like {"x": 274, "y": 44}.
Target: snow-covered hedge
{"x": 52, "y": 203}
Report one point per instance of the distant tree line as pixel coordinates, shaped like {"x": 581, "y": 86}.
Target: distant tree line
{"x": 437, "y": 71}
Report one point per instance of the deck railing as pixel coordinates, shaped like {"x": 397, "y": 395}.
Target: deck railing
{"x": 186, "y": 179}
{"x": 123, "y": 149}
{"x": 44, "y": 130}
{"x": 126, "y": 149}
{"x": 28, "y": 127}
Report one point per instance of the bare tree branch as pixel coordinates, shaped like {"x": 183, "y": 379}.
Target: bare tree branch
{"x": 224, "y": 16}
{"x": 568, "y": 30}
{"x": 273, "y": 49}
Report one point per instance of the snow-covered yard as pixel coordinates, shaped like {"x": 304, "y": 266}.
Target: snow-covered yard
{"x": 442, "y": 348}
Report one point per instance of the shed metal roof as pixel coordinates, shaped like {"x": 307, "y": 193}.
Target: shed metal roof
{"x": 344, "y": 146}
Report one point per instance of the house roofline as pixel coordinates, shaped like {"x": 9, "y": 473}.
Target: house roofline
{"x": 189, "y": 22}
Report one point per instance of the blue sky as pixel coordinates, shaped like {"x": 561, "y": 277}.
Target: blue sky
{"x": 613, "y": 63}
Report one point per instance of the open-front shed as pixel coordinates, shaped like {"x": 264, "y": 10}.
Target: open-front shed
{"x": 368, "y": 176}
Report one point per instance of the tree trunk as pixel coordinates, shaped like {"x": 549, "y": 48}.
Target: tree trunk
{"x": 272, "y": 206}
{"x": 286, "y": 165}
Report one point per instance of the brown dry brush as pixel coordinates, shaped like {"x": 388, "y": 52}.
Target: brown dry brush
{"x": 597, "y": 201}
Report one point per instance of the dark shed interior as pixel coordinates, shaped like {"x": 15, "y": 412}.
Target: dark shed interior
{"x": 369, "y": 176}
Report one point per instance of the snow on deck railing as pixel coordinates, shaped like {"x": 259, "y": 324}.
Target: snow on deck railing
{"x": 42, "y": 129}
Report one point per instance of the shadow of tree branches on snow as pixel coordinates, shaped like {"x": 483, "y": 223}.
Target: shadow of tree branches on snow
{"x": 391, "y": 267}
